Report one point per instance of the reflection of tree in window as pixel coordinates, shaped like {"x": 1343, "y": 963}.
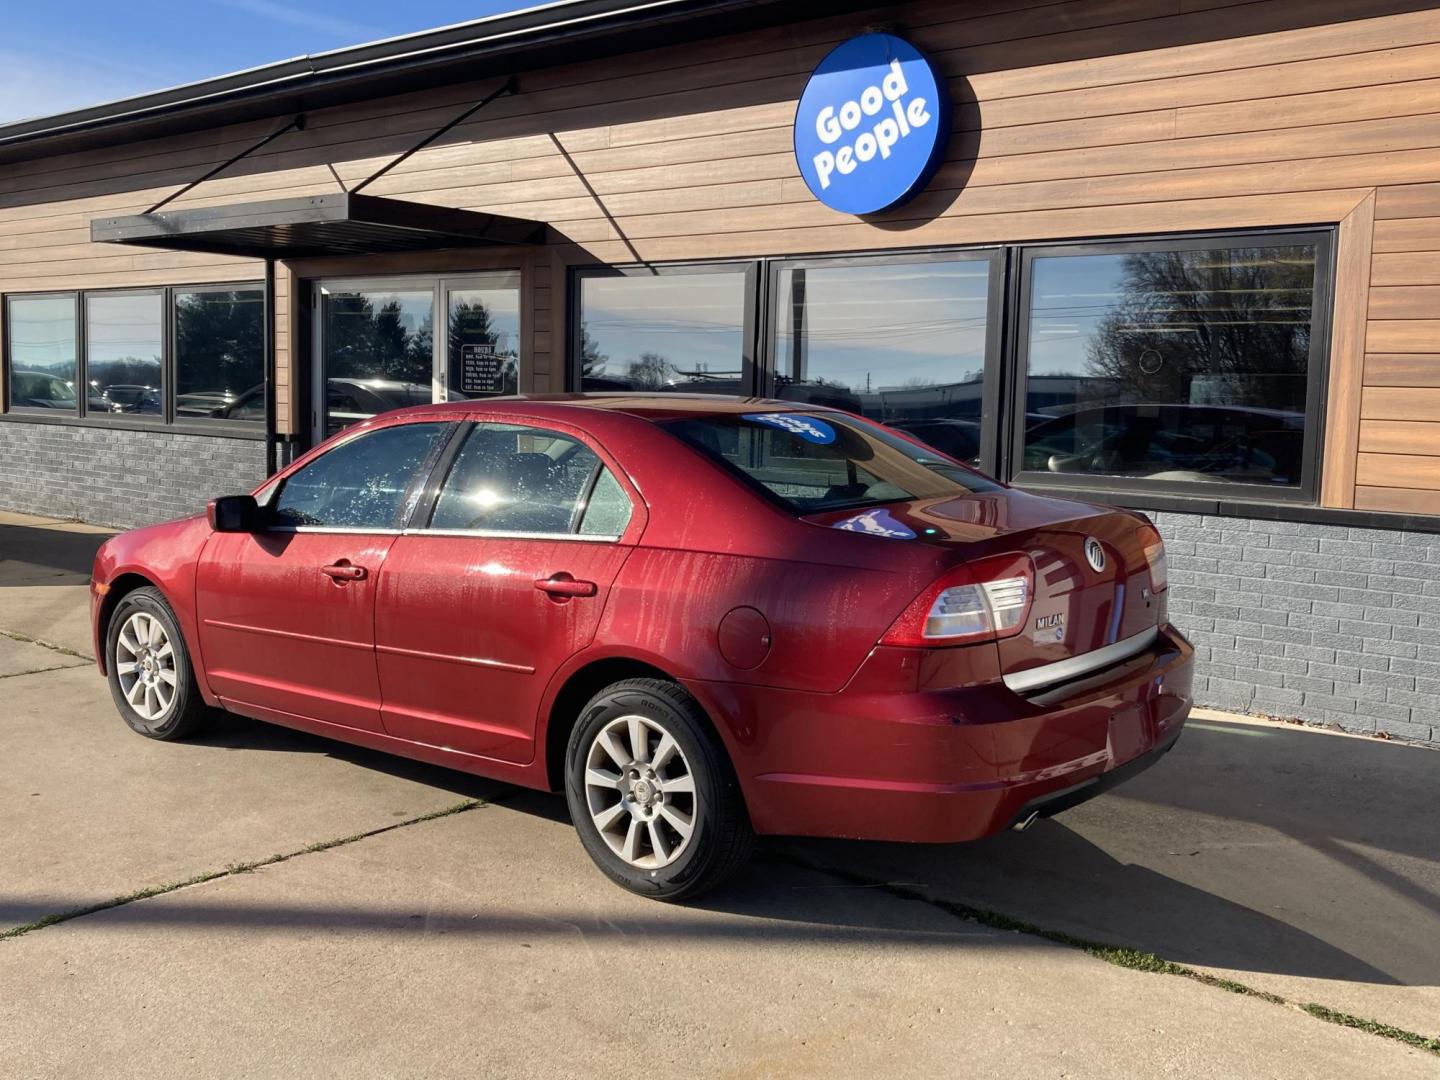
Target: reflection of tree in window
{"x": 471, "y": 323}
{"x": 363, "y": 342}
{"x": 1210, "y": 328}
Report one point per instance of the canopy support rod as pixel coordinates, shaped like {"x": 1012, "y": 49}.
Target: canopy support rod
{"x": 271, "y": 455}
{"x": 507, "y": 88}
{"x": 297, "y": 124}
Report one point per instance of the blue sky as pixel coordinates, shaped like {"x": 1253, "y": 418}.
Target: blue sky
{"x": 61, "y": 54}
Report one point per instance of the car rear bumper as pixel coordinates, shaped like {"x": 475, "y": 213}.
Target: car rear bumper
{"x": 949, "y": 765}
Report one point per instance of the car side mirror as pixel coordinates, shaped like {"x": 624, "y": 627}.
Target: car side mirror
{"x": 234, "y": 513}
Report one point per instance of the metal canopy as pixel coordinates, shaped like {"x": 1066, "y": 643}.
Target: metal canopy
{"x": 341, "y": 223}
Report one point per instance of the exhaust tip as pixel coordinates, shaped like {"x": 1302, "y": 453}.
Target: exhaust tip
{"x": 1021, "y": 824}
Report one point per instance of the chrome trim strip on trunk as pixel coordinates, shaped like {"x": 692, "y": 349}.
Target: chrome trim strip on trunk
{"x": 1075, "y": 666}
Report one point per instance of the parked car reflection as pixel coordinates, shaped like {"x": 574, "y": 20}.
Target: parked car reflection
{"x": 132, "y": 398}
{"x": 1172, "y": 442}
{"x": 38, "y": 390}
{"x": 347, "y": 401}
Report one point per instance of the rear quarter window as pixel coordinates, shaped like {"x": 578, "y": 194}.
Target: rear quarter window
{"x": 813, "y": 462}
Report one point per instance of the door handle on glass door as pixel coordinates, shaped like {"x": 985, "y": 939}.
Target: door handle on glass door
{"x": 562, "y": 586}
{"x": 343, "y": 571}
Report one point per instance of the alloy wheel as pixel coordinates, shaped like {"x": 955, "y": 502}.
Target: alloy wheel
{"x": 640, "y": 792}
{"x": 145, "y": 665}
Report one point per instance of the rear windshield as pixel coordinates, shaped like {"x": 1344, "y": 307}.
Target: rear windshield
{"x": 813, "y": 462}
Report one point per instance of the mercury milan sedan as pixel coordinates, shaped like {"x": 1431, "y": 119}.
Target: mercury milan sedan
{"x": 700, "y": 617}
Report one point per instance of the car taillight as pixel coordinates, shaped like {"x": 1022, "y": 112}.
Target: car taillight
{"x": 1155, "y": 557}
{"x": 980, "y": 601}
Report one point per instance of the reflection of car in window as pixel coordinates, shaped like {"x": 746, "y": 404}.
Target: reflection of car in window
{"x": 37, "y": 390}
{"x": 132, "y": 398}
{"x": 40, "y": 390}
{"x": 958, "y": 438}
{"x": 1172, "y": 442}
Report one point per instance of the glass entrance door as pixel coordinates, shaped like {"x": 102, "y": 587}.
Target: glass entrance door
{"x": 389, "y": 344}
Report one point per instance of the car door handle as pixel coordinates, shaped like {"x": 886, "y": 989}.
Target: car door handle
{"x": 344, "y": 572}
{"x": 562, "y": 586}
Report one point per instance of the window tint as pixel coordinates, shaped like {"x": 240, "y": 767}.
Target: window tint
{"x": 124, "y": 350}
{"x": 903, "y": 343}
{"x": 608, "y": 510}
{"x": 219, "y": 354}
{"x": 668, "y": 332}
{"x": 360, "y": 484}
{"x": 42, "y": 352}
{"x": 1175, "y": 365}
{"x": 510, "y": 478}
{"x": 826, "y": 461}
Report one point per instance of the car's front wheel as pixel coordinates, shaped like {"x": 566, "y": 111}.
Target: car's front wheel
{"x": 652, "y": 792}
{"x": 149, "y": 669}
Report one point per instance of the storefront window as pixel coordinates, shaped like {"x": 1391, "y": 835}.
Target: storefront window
{"x": 682, "y": 332}
{"x": 900, "y": 342}
{"x": 482, "y": 337}
{"x": 42, "y": 351}
{"x": 1187, "y": 363}
{"x": 219, "y": 355}
{"x": 124, "y": 353}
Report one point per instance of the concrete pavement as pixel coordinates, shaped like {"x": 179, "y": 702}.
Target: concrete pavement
{"x": 1292, "y": 861}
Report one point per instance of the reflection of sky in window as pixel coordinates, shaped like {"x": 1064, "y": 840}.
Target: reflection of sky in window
{"x": 878, "y": 326}
{"x": 503, "y": 307}
{"x": 123, "y": 328}
{"x": 42, "y": 335}
{"x": 1069, "y": 297}
{"x": 696, "y": 321}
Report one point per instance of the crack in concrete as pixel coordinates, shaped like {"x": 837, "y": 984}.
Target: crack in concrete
{"x": 15, "y": 635}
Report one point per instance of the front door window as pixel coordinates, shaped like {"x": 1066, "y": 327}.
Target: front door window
{"x": 385, "y": 345}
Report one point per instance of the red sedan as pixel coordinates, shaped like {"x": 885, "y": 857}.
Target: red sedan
{"x": 702, "y": 617}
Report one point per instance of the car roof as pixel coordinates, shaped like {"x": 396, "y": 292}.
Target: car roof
{"x": 646, "y": 406}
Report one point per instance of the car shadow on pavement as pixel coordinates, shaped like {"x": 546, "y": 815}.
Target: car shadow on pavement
{"x": 1251, "y": 848}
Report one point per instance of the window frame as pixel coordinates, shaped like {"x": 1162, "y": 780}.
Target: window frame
{"x": 990, "y": 394}
{"x": 751, "y": 314}
{"x": 1017, "y": 362}
{"x": 82, "y": 416}
{"x": 32, "y": 411}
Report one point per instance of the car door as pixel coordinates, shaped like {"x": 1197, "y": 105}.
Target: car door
{"x": 287, "y": 613}
{"x": 496, "y": 584}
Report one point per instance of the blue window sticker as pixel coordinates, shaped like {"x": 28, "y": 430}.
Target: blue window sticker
{"x": 878, "y": 522}
{"x": 805, "y": 427}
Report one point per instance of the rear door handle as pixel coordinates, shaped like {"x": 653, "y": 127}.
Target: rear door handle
{"x": 343, "y": 571}
{"x": 563, "y": 586}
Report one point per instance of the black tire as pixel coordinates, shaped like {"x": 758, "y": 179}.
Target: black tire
{"x": 186, "y": 711}
{"x": 721, "y": 837}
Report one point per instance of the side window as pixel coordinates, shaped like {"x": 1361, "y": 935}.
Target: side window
{"x": 361, "y": 484}
{"x": 608, "y": 511}
{"x": 511, "y": 478}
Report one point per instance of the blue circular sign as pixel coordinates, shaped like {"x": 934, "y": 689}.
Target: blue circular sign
{"x": 872, "y": 124}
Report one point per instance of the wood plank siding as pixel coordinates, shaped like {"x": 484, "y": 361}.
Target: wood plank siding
{"x": 1086, "y": 118}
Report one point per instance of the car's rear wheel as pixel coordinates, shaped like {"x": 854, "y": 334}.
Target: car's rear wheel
{"x": 151, "y": 679}
{"x": 652, "y": 792}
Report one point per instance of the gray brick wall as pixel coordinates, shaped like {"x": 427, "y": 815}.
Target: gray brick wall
{"x": 110, "y": 476}
{"x": 1320, "y": 623}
